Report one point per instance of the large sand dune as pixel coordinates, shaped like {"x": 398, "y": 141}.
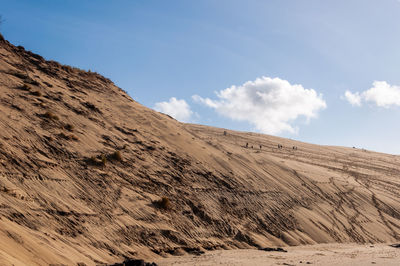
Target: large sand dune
{"x": 82, "y": 165}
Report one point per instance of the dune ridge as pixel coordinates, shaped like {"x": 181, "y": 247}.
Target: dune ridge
{"x": 83, "y": 167}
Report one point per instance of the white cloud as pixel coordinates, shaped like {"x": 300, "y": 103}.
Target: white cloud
{"x": 353, "y": 98}
{"x": 269, "y": 104}
{"x": 381, "y": 94}
{"x": 178, "y": 109}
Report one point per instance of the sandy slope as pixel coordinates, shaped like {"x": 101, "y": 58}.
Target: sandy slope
{"x": 60, "y": 204}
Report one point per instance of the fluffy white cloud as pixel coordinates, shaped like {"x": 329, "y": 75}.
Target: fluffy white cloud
{"x": 381, "y": 94}
{"x": 269, "y": 104}
{"x": 178, "y": 109}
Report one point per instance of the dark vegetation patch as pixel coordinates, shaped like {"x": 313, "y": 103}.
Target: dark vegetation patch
{"x": 74, "y": 109}
{"x": 51, "y": 115}
{"x": 36, "y": 93}
{"x": 134, "y": 262}
{"x": 163, "y": 203}
{"x": 25, "y": 87}
{"x": 175, "y": 250}
{"x": 54, "y": 97}
{"x": 193, "y": 250}
{"x": 32, "y": 81}
{"x": 116, "y": 156}
{"x": 273, "y": 249}
{"x": 92, "y": 107}
{"x": 100, "y": 160}
{"x": 21, "y": 219}
{"x": 127, "y": 131}
{"x": 69, "y": 127}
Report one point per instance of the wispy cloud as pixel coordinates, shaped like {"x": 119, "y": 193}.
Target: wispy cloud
{"x": 269, "y": 104}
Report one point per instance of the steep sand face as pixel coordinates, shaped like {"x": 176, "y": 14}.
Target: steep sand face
{"x": 82, "y": 165}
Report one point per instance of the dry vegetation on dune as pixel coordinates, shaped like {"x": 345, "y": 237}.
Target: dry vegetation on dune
{"x": 88, "y": 175}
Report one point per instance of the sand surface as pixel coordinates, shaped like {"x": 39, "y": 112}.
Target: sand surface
{"x": 321, "y": 254}
{"x": 67, "y": 198}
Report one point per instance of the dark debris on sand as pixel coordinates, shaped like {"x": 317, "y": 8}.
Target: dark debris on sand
{"x": 273, "y": 249}
{"x": 134, "y": 262}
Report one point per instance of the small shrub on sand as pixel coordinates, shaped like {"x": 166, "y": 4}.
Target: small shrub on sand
{"x": 51, "y": 115}
{"x": 99, "y": 161}
{"x": 116, "y": 156}
{"x": 69, "y": 127}
{"x": 26, "y": 87}
{"x": 103, "y": 159}
{"x": 36, "y": 93}
{"x": 32, "y": 81}
{"x": 164, "y": 203}
{"x": 93, "y": 160}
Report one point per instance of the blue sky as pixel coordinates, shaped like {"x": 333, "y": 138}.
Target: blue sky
{"x": 156, "y": 50}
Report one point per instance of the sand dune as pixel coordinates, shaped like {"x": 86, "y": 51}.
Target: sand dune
{"x": 83, "y": 166}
